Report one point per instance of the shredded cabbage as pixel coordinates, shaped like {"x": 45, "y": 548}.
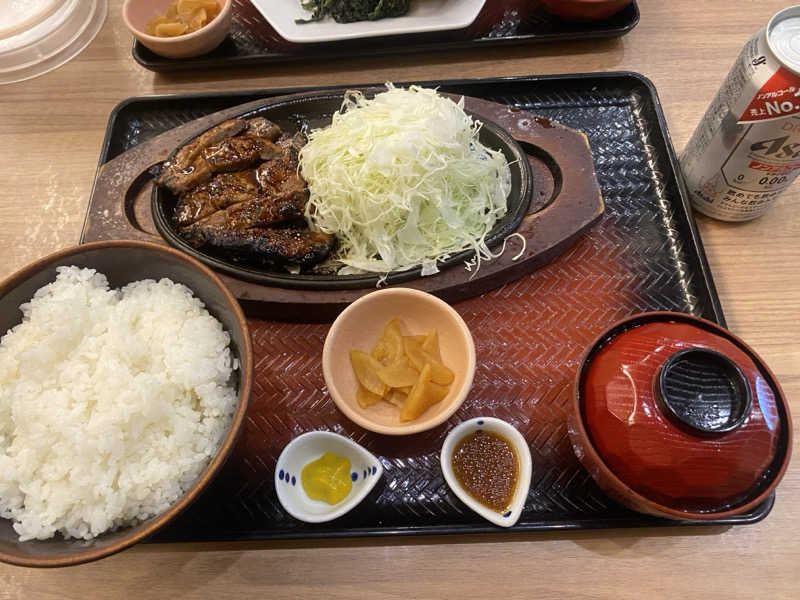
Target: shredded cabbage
{"x": 402, "y": 181}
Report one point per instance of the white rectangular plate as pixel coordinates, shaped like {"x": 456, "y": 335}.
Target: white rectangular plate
{"x": 424, "y": 15}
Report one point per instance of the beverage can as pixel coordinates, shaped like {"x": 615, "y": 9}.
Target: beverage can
{"x": 746, "y": 149}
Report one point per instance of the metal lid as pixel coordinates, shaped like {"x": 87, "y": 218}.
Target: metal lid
{"x": 36, "y": 36}
{"x": 783, "y": 37}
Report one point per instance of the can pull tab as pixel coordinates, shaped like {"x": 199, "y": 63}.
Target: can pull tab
{"x": 703, "y": 390}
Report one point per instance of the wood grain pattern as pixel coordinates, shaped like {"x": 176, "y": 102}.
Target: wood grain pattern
{"x": 51, "y": 129}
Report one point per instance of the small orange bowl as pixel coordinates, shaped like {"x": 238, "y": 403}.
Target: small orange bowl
{"x": 360, "y": 326}
{"x": 137, "y": 13}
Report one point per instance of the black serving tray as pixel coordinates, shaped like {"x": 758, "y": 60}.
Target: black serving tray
{"x": 644, "y": 254}
{"x": 252, "y": 41}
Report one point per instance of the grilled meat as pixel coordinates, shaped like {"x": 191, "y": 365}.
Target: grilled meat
{"x": 188, "y": 168}
{"x": 282, "y": 247}
{"x": 221, "y": 192}
{"x": 240, "y": 152}
{"x": 264, "y": 128}
{"x": 261, "y": 212}
{"x": 292, "y": 143}
{"x": 187, "y": 178}
{"x": 221, "y": 149}
{"x": 246, "y": 213}
{"x": 279, "y": 176}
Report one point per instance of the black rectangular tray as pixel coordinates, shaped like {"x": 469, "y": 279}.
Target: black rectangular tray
{"x": 501, "y": 23}
{"x": 659, "y": 264}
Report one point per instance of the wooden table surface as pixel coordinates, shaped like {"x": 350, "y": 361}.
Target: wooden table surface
{"x": 51, "y": 129}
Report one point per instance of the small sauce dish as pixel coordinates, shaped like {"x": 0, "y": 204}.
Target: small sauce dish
{"x": 504, "y": 430}
{"x": 365, "y": 471}
{"x": 138, "y": 13}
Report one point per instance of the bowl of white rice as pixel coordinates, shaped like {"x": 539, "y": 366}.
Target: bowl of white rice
{"x": 125, "y": 369}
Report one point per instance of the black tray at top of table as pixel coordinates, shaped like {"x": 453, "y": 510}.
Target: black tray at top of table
{"x": 659, "y": 264}
{"x": 252, "y": 41}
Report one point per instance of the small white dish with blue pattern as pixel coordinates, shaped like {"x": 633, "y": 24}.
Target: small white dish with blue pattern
{"x": 490, "y": 424}
{"x": 365, "y": 471}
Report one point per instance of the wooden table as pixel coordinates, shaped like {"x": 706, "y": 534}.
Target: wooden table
{"x": 51, "y": 129}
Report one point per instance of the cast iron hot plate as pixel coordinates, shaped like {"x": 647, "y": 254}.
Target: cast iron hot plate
{"x": 310, "y": 112}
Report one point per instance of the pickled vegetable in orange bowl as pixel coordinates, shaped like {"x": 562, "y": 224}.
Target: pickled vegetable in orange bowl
{"x": 404, "y": 370}
{"x": 178, "y": 28}
{"x": 182, "y": 17}
{"x": 386, "y": 369}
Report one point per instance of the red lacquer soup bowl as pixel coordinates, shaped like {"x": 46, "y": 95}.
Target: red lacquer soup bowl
{"x": 675, "y": 416}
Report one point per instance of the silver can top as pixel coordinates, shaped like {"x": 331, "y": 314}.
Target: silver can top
{"x": 783, "y": 37}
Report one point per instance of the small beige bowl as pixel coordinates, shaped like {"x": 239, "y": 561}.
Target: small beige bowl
{"x": 360, "y": 325}
{"x": 137, "y": 13}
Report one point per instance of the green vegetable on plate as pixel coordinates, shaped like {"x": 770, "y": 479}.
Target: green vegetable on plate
{"x": 348, "y": 11}
{"x": 403, "y": 181}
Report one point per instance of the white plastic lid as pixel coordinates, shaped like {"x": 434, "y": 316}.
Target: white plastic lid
{"x": 36, "y": 36}
{"x": 18, "y": 15}
{"x": 783, "y": 37}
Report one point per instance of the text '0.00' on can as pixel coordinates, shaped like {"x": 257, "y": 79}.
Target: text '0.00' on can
{"x": 746, "y": 150}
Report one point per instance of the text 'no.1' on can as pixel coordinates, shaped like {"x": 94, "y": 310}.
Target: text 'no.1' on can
{"x": 746, "y": 150}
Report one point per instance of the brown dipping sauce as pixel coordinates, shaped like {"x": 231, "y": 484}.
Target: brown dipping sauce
{"x": 486, "y": 465}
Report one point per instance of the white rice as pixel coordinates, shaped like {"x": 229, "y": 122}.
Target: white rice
{"x": 112, "y": 402}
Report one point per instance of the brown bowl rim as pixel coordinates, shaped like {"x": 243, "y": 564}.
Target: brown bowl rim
{"x": 633, "y": 497}
{"x": 245, "y": 386}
